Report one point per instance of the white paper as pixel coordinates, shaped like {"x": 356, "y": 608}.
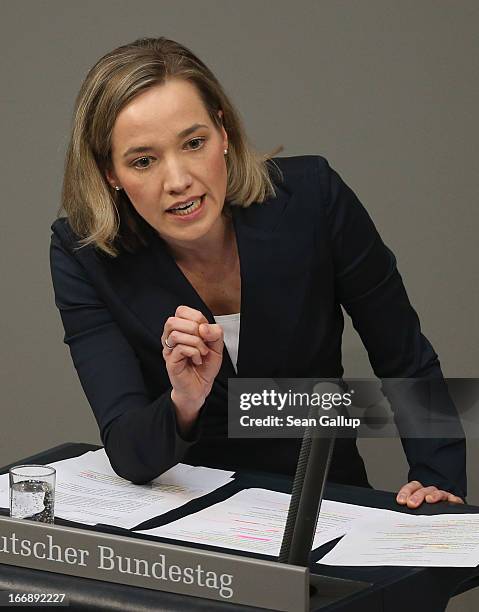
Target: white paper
{"x": 253, "y": 520}
{"x": 337, "y": 518}
{"x": 444, "y": 540}
{"x": 88, "y": 491}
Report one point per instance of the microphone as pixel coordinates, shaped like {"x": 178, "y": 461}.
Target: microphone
{"x": 308, "y": 488}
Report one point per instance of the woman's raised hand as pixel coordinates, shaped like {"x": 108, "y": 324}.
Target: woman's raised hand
{"x": 193, "y": 361}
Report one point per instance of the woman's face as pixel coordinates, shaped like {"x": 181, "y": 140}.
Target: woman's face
{"x": 169, "y": 158}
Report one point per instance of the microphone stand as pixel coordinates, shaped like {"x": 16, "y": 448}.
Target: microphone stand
{"x": 308, "y": 488}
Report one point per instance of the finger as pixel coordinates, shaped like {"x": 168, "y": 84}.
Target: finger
{"x": 407, "y": 490}
{"x": 182, "y": 325}
{"x": 182, "y": 351}
{"x": 185, "y": 312}
{"x": 419, "y": 496}
{"x": 177, "y": 337}
{"x": 435, "y": 496}
{"x": 454, "y": 499}
{"x": 212, "y": 334}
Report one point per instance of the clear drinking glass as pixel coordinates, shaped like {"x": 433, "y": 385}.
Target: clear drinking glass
{"x": 32, "y": 492}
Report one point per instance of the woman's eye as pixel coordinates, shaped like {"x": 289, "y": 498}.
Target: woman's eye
{"x": 196, "y": 143}
{"x": 142, "y": 163}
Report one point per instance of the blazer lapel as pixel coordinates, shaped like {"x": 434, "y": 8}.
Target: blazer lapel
{"x": 273, "y": 251}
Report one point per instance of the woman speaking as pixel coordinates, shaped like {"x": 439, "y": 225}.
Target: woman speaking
{"x": 186, "y": 259}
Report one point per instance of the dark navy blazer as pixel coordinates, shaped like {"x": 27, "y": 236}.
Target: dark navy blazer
{"x": 303, "y": 254}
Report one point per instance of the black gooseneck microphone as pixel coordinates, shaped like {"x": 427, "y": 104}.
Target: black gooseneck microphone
{"x": 308, "y": 488}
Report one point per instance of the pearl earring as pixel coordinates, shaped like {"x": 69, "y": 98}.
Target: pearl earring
{"x": 226, "y": 151}
{"x": 117, "y": 188}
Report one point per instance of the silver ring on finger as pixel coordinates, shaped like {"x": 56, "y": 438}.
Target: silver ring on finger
{"x": 168, "y": 345}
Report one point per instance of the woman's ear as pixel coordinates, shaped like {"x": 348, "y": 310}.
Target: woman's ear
{"x": 223, "y": 131}
{"x": 112, "y": 178}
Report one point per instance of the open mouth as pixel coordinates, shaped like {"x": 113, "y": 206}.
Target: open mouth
{"x": 188, "y": 208}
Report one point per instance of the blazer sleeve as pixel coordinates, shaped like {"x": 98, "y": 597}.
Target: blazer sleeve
{"x": 139, "y": 433}
{"x": 371, "y": 290}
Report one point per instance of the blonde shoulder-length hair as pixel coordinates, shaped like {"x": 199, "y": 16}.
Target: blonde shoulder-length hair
{"x": 97, "y": 213}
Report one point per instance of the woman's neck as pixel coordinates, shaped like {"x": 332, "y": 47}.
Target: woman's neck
{"x": 216, "y": 249}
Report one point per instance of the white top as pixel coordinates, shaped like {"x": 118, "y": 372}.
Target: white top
{"x": 231, "y": 329}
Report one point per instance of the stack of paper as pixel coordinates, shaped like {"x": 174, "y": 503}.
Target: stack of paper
{"x": 88, "y": 491}
{"x": 253, "y": 520}
{"x": 450, "y": 540}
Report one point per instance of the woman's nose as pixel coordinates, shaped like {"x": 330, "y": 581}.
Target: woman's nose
{"x": 177, "y": 177}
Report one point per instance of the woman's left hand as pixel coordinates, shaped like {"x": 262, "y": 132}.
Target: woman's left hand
{"x": 413, "y": 494}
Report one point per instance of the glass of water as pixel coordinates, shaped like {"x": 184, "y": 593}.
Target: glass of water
{"x": 32, "y": 492}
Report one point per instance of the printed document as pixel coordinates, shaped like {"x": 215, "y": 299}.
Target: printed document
{"x": 88, "y": 491}
{"x": 450, "y": 540}
{"x": 254, "y": 519}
